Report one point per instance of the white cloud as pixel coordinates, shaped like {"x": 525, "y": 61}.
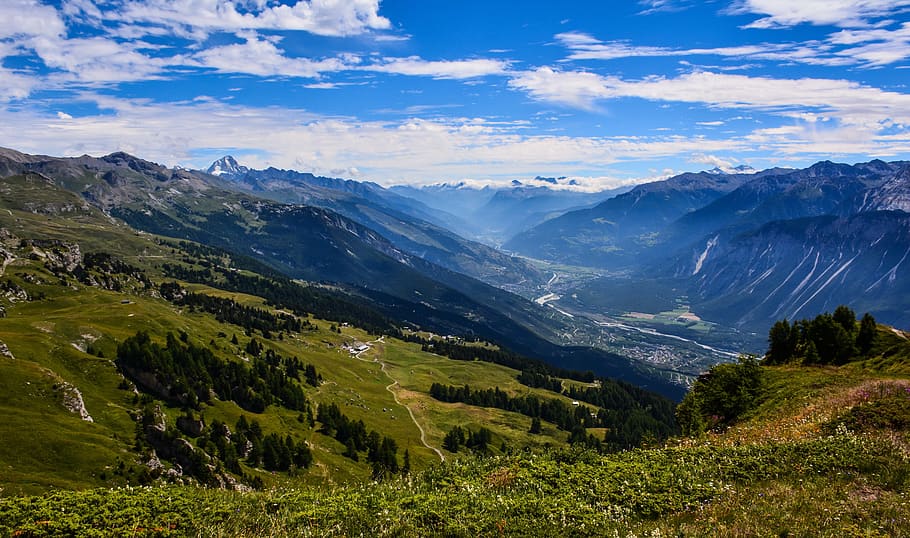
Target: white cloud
{"x": 411, "y": 150}
{"x": 713, "y": 161}
{"x": 843, "y": 13}
{"x": 27, "y": 18}
{"x": 324, "y": 86}
{"x": 444, "y": 69}
{"x": 877, "y": 46}
{"x": 14, "y": 85}
{"x": 573, "y": 88}
{"x": 321, "y": 17}
{"x": 655, "y": 6}
{"x": 84, "y": 10}
{"x": 261, "y": 57}
{"x": 97, "y": 60}
{"x": 587, "y": 47}
{"x": 882, "y": 46}
{"x": 849, "y": 102}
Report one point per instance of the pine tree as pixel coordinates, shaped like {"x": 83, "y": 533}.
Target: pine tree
{"x": 350, "y": 451}
{"x": 867, "y": 334}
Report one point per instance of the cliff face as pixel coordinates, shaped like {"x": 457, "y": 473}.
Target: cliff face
{"x": 798, "y": 268}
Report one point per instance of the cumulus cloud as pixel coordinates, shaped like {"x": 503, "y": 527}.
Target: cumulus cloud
{"x": 573, "y": 88}
{"x": 14, "y": 86}
{"x": 321, "y": 17}
{"x": 28, "y": 18}
{"x": 258, "y": 56}
{"x": 715, "y": 162}
{"x": 97, "y": 60}
{"x": 877, "y": 47}
{"x": 411, "y": 150}
{"x": 843, "y": 13}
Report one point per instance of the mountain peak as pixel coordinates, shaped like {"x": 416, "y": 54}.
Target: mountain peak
{"x": 741, "y": 169}
{"x": 227, "y": 166}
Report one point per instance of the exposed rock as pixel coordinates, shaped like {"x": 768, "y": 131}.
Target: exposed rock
{"x": 154, "y": 464}
{"x": 148, "y": 380}
{"x": 56, "y": 254}
{"x": 175, "y": 471}
{"x": 72, "y": 401}
{"x": 227, "y": 481}
{"x": 4, "y": 350}
{"x": 13, "y": 293}
{"x": 6, "y": 258}
{"x": 8, "y": 238}
{"x": 244, "y": 450}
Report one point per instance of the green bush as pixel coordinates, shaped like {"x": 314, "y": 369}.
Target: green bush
{"x": 721, "y": 396}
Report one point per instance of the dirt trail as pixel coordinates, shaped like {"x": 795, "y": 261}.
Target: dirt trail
{"x": 382, "y": 366}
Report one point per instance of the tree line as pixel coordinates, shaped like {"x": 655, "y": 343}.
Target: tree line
{"x": 828, "y": 339}
{"x": 186, "y": 374}
{"x": 282, "y": 292}
{"x": 459, "y": 437}
{"x": 227, "y": 310}
{"x": 382, "y": 451}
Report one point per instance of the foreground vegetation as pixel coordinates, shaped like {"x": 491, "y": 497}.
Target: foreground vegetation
{"x": 837, "y": 485}
{"x": 822, "y": 452}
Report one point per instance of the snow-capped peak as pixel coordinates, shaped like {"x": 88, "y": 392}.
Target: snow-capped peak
{"x": 741, "y": 169}
{"x": 228, "y": 166}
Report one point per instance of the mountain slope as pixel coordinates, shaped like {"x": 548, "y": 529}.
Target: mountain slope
{"x": 407, "y": 223}
{"x": 610, "y": 234}
{"x": 825, "y": 188}
{"x": 799, "y": 267}
{"x": 113, "y": 373}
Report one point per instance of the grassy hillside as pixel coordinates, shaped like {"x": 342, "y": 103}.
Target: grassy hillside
{"x": 792, "y": 468}
{"x": 76, "y": 285}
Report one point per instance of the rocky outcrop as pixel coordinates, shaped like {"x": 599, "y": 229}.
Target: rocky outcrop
{"x": 57, "y": 255}
{"x": 72, "y": 401}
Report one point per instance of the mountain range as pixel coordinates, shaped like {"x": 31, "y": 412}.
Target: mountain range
{"x": 319, "y": 245}
{"x": 730, "y": 252}
{"x": 495, "y": 214}
{"x": 409, "y": 224}
{"x": 745, "y": 249}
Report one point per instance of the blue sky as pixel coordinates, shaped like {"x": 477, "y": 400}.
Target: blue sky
{"x": 606, "y": 93}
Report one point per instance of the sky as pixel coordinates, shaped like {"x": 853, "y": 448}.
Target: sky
{"x": 605, "y": 93}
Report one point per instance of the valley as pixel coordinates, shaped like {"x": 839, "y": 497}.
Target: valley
{"x": 180, "y": 344}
